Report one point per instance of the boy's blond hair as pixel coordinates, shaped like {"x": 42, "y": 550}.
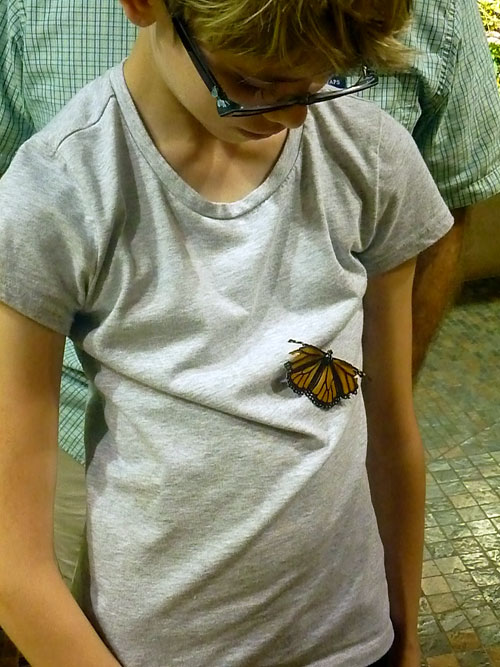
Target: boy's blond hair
{"x": 339, "y": 34}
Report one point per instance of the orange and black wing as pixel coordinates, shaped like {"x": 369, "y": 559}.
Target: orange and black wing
{"x": 319, "y": 376}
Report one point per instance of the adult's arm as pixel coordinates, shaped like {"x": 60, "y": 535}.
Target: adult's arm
{"x": 438, "y": 278}
{"x": 395, "y": 458}
{"x": 458, "y": 134}
{"x": 36, "y": 609}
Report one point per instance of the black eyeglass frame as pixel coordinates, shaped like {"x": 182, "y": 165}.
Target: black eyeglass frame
{"x": 227, "y": 107}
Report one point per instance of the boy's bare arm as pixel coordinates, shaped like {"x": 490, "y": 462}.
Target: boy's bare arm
{"x": 36, "y": 609}
{"x": 395, "y": 459}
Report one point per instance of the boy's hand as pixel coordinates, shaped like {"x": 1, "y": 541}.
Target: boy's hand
{"x": 404, "y": 654}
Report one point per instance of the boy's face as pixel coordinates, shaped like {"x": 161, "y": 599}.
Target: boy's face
{"x": 245, "y": 80}
{"x": 251, "y": 83}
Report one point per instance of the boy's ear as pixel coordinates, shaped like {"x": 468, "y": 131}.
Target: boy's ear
{"x": 139, "y": 12}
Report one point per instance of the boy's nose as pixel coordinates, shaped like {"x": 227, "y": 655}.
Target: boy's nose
{"x": 290, "y": 117}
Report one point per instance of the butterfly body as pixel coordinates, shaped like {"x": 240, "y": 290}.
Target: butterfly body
{"x": 320, "y": 376}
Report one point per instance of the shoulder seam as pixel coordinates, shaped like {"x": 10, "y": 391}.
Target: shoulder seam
{"x": 87, "y": 127}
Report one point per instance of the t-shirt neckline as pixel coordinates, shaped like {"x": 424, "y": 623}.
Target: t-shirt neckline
{"x": 177, "y": 186}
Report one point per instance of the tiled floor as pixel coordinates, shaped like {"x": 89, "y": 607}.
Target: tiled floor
{"x": 458, "y": 403}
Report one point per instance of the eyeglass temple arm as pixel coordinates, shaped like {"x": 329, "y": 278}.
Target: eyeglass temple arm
{"x": 211, "y": 82}
{"x": 197, "y": 58}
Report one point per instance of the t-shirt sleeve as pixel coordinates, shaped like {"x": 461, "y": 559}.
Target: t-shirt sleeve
{"x": 15, "y": 122}
{"x": 409, "y": 214}
{"x": 46, "y": 240}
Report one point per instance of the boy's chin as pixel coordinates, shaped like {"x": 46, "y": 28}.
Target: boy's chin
{"x": 256, "y": 136}
{"x": 233, "y": 133}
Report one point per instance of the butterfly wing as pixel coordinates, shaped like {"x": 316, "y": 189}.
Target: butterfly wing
{"x": 306, "y": 351}
{"x": 323, "y": 379}
{"x": 302, "y": 370}
{"x": 345, "y": 375}
{"x": 323, "y": 392}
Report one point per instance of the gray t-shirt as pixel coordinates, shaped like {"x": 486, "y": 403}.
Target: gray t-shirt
{"x": 229, "y": 519}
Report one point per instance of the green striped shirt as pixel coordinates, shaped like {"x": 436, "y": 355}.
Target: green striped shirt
{"x": 449, "y": 101}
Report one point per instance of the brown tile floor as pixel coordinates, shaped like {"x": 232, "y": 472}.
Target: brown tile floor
{"x": 458, "y": 404}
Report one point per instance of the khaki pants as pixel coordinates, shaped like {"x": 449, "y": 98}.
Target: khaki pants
{"x": 69, "y": 515}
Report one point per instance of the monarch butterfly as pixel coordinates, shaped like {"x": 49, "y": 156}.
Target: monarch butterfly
{"x": 320, "y": 376}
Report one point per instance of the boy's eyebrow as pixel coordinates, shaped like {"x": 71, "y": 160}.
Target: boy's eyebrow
{"x": 233, "y": 71}
{"x": 280, "y": 79}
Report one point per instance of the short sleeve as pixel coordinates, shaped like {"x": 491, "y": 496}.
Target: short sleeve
{"x": 410, "y": 214}
{"x": 46, "y": 241}
{"x": 15, "y": 122}
{"x": 459, "y": 130}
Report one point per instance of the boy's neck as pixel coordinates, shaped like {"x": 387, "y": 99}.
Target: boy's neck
{"x": 160, "y": 111}
{"x": 218, "y": 170}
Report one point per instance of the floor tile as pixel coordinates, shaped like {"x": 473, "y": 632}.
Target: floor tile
{"x": 454, "y": 621}
{"x": 442, "y": 602}
{"x": 470, "y": 599}
{"x": 469, "y": 545}
{"x": 435, "y": 534}
{"x": 449, "y": 565}
{"x": 475, "y": 561}
{"x": 472, "y": 513}
{"x": 494, "y": 654}
{"x": 461, "y": 581}
{"x": 481, "y": 615}
{"x": 492, "y": 510}
{"x": 430, "y": 569}
{"x": 460, "y": 425}
{"x": 494, "y": 556}
{"x": 452, "y": 516}
{"x": 441, "y": 549}
{"x": 448, "y": 660}
{"x": 489, "y": 634}
{"x": 436, "y": 644}
{"x": 477, "y": 658}
{"x": 464, "y": 500}
{"x": 492, "y": 595}
{"x": 483, "y": 527}
{"x": 464, "y": 640}
{"x": 489, "y": 541}
{"x": 434, "y": 585}
{"x": 484, "y": 578}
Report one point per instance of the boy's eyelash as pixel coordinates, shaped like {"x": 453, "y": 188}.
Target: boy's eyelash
{"x": 262, "y": 86}
{"x": 244, "y": 82}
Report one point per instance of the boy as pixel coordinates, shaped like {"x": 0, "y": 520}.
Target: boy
{"x": 51, "y": 49}
{"x": 229, "y": 518}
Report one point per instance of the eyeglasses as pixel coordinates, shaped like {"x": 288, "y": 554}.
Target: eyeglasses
{"x": 227, "y": 107}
